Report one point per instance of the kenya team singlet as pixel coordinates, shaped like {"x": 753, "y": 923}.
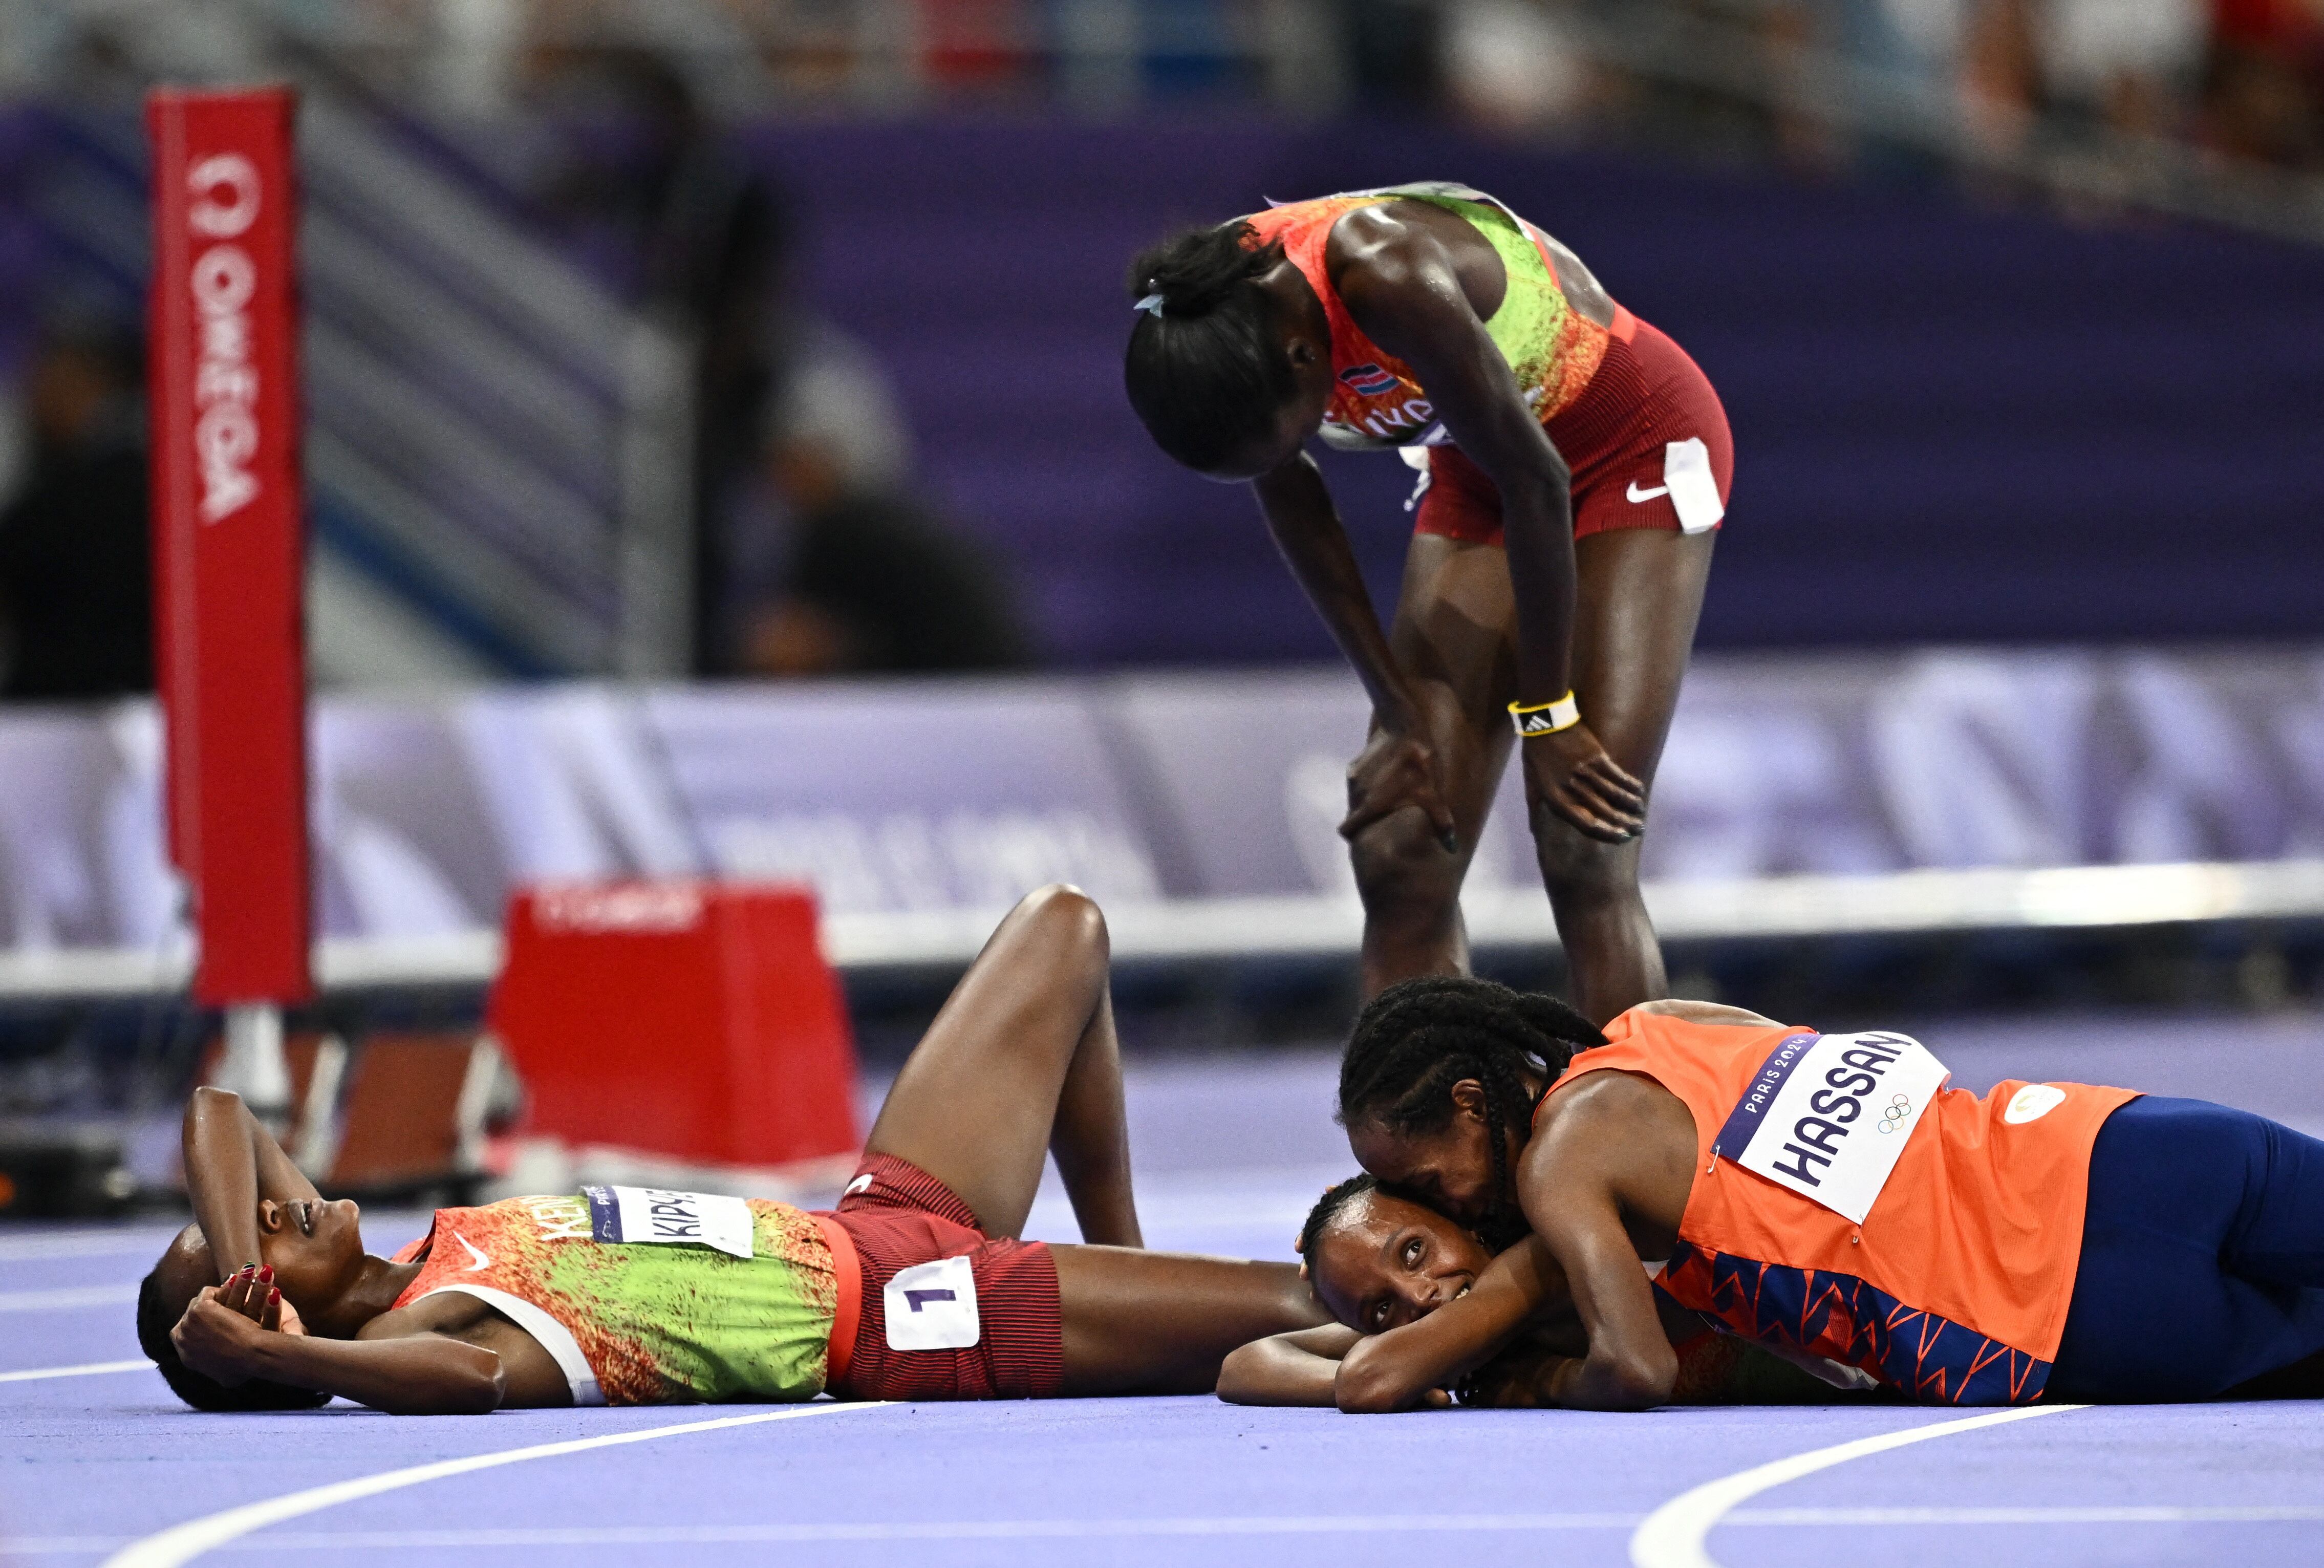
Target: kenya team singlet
{"x": 1951, "y": 1281}
{"x": 1552, "y": 348}
{"x": 644, "y": 1322}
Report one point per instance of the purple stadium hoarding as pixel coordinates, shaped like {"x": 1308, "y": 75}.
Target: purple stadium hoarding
{"x": 913, "y": 796}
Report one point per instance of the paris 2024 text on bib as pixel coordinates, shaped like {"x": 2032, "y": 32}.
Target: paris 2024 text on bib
{"x": 1828, "y": 1115}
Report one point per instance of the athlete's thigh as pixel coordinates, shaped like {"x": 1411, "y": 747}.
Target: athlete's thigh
{"x": 975, "y": 1101}
{"x": 1638, "y": 593}
{"x": 1454, "y": 623}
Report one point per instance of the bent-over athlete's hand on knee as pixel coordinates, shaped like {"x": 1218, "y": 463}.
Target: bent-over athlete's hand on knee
{"x": 1399, "y": 768}
{"x": 1569, "y": 773}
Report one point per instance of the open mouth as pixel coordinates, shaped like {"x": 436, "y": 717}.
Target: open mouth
{"x": 304, "y": 1211}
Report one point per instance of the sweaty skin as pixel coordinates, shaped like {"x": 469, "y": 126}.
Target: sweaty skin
{"x": 1421, "y": 1306}
{"x": 1623, "y": 1177}
{"x": 1611, "y": 617}
{"x": 1021, "y": 1063}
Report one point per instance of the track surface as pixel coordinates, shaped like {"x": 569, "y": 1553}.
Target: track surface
{"x": 1230, "y": 1150}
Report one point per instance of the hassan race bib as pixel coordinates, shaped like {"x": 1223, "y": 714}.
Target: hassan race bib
{"x": 1828, "y": 1115}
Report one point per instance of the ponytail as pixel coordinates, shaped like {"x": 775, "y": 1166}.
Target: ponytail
{"x": 1202, "y": 370}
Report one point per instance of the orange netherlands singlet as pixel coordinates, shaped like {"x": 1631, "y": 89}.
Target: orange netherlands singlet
{"x": 1953, "y": 1285}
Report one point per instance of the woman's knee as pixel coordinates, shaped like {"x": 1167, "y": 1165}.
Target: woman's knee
{"x": 1062, "y": 913}
{"x": 1401, "y": 865}
{"x": 1575, "y": 866}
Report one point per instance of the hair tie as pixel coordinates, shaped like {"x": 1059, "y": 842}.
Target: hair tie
{"x": 1151, "y": 305}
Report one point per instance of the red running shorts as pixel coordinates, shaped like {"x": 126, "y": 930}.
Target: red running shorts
{"x": 1618, "y": 438}
{"x": 899, "y": 1215}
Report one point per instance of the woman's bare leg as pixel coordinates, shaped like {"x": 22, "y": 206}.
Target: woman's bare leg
{"x": 1453, "y": 637}
{"x": 1023, "y": 1060}
{"x": 1161, "y": 1322}
{"x": 1639, "y": 591}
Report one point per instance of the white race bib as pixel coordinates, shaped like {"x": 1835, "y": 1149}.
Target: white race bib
{"x": 661, "y": 1217}
{"x": 932, "y": 1307}
{"x": 1829, "y": 1115}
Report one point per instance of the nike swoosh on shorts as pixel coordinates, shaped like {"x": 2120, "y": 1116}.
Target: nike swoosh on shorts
{"x": 1637, "y": 495}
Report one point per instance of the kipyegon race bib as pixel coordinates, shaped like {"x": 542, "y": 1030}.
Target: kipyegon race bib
{"x": 658, "y": 1216}
{"x": 1828, "y": 1115}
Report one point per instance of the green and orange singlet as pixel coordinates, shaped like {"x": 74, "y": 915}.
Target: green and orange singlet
{"x": 1953, "y": 1286}
{"x": 645, "y": 1323}
{"x": 1552, "y": 348}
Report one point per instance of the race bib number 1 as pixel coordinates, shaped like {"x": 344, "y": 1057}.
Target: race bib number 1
{"x": 659, "y": 1217}
{"x": 1829, "y": 1115}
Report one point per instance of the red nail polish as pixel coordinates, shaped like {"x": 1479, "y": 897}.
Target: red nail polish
{"x": 273, "y": 1296}
{"x": 266, "y": 1275}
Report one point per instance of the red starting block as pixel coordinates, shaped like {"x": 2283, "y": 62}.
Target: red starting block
{"x": 695, "y": 1021}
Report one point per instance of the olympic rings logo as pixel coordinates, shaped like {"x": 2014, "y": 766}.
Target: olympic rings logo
{"x": 1893, "y": 1116}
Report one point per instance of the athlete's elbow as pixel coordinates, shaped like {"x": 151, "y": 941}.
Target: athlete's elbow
{"x": 1242, "y": 1376}
{"x": 1366, "y": 1387}
{"x": 474, "y": 1386}
{"x": 1635, "y": 1382}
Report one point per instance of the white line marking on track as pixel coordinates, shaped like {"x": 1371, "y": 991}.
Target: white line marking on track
{"x": 184, "y": 1543}
{"x": 1673, "y": 1534}
{"x": 66, "y": 1299}
{"x": 85, "y": 1370}
{"x": 37, "y": 1247}
{"x": 1016, "y": 1529}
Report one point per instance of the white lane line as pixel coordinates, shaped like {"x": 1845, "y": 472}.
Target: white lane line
{"x": 1673, "y": 1536}
{"x": 2095, "y": 1514}
{"x": 37, "y": 1248}
{"x": 1029, "y": 1529}
{"x": 66, "y": 1299}
{"x": 85, "y": 1370}
{"x": 183, "y": 1542}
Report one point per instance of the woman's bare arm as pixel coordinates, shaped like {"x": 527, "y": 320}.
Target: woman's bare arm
{"x": 1403, "y": 288}
{"x": 1398, "y": 769}
{"x": 1287, "y": 1368}
{"x": 420, "y": 1373}
{"x": 1399, "y": 1369}
{"x": 231, "y": 1163}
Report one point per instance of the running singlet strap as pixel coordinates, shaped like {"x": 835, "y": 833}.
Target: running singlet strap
{"x": 648, "y": 1322}
{"x": 1377, "y": 402}
{"x": 1953, "y": 1285}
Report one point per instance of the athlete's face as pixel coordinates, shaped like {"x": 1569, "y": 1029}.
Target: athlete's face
{"x": 1449, "y": 1168}
{"x": 1385, "y": 1261}
{"x": 315, "y": 1247}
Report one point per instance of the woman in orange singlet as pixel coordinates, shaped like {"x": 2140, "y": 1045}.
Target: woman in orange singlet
{"x": 1574, "y": 464}
{"x": 1825, "y": 1196}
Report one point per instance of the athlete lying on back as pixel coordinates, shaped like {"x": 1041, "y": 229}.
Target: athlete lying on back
{"x": 1380, "y": 1261}
{"x": 916, "y": 1287}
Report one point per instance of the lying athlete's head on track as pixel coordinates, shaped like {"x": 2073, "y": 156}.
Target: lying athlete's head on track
{"x": 316, "y": 1251}
{"x": 1230, "y": 367}
{"x": 1438, "y": 1085}
{"x": 1377, "y": 1261}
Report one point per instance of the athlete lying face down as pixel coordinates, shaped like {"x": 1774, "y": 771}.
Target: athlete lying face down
{"x": 916, "y": 1287}
{"x": 1381, "y": 1264}
{"x": 1826, "y": 1196}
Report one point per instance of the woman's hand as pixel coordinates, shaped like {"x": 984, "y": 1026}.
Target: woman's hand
{"x": 1569, "y": 773}
{"x": 1397, "y": 767}
{"x": 219, "y": 1337}
{"x": 1518, "y": 1378}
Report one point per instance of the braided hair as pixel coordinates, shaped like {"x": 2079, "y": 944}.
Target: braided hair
{"x": 1418, "y": 1037}
{"x": 1327, "y": 1209}
{"x": 1203, "y": 369}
